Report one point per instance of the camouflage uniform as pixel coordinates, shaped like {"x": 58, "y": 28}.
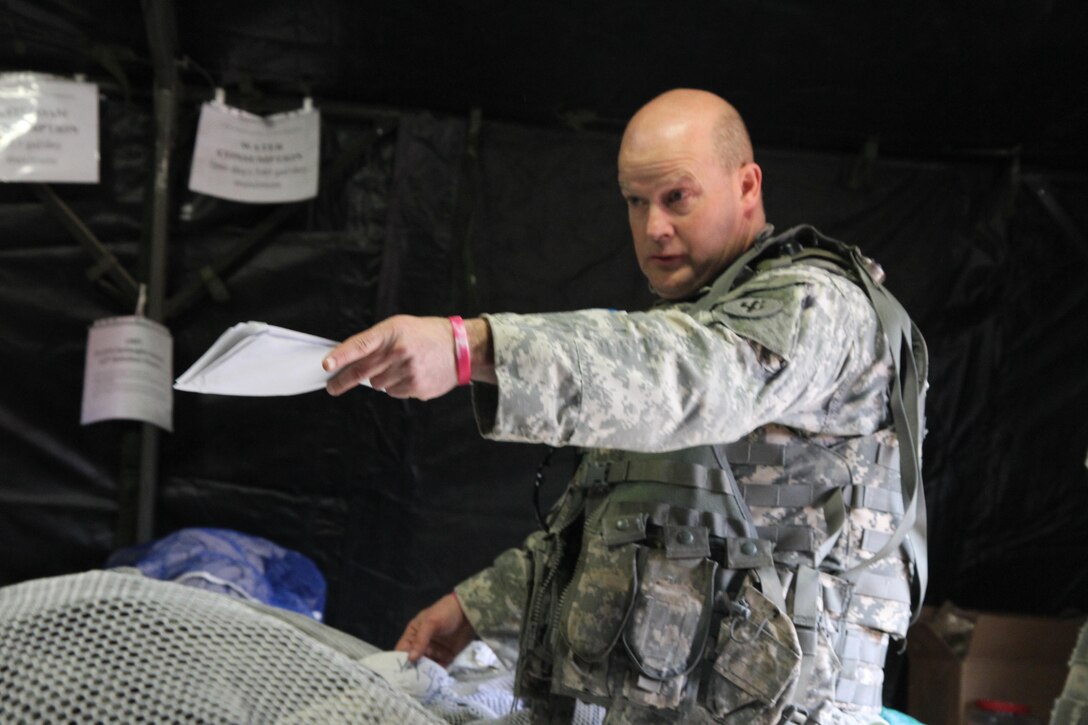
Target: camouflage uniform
{"x": 788, "y": 375}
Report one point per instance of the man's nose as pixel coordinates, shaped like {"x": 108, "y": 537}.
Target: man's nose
{"x": 658, "y": 224}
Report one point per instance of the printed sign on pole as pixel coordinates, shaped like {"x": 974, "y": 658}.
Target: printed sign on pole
{"x": 129, "y": 372}
{"x": 48, "y": 129}
{"x": 244, "y": 157}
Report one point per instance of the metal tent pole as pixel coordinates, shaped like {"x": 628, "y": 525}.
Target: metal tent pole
{"x": 162, "y": 43}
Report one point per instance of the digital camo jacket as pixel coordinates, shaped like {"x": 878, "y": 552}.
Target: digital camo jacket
{"x": 791, "y": 361}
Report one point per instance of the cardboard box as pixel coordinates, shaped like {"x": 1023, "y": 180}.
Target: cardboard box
{"x": 957, "y": 656}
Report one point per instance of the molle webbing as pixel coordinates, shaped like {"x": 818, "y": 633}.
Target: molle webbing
{"x": 790, "y": 538}
{"x": 664, "y": 513}
{"x": 887, "y": 500}
{"x": 858, "y": 693}
{"x": 785, "y": 494}
{"x": 867, "y": 479}
{"x": 884, "y": 498}
{"x": 672, "y": 491}
{"x": 856, "y": 648}
{"x": 681, "y": 521}
{"x": 775, "y": 454}
{"x": 661, "y": 470}
{"x": 804, "y": 244}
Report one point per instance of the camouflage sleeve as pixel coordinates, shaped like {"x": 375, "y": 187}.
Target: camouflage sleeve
{"x": 493, "y": 601}
{"x": 798, "y": 346}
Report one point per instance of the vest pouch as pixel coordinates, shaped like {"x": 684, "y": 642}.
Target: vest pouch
{"x": 534, "y": 660}
{"x": 598, "y": 600}
{"x": 667, "y": 632}
{"x": 758, "y": 663}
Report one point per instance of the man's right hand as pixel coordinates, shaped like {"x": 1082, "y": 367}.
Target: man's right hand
{"x": 440, "y": 632}
{"x": 409, "y": 357}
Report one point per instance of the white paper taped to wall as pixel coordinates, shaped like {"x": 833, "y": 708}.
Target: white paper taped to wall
{"x": 48, "y": 129}
{"x": 261, "y": 160}
{"x": 127, "y": 372}
{"x": 258, "y": 359}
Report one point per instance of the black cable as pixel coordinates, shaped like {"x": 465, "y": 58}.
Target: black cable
{"x": 538, "y": 483}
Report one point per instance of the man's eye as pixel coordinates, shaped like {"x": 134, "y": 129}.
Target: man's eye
{"x": 674, "y": 197}
{"x": 634, "y": 202}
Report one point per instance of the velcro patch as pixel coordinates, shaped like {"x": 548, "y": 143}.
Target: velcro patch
{"x": 752, "y": 307}
{"x": 767, "y": 318}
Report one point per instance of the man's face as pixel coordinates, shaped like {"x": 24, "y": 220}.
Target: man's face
{"x": 685, "y": 210}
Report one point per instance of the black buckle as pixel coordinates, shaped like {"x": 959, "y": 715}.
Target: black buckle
{"x": 596, "y": 474}
{"x": 794, "y": 714}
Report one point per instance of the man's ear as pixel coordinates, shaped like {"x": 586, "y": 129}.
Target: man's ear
{"x": 751, "y": 183}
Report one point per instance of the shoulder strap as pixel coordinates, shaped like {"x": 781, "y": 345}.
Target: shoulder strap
{"x": 910, "y": 360}
{"x": 740, "y": 269}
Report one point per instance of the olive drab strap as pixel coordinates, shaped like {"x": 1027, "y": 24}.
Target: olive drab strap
{"x": 910, "y": 360}
{"x": 729, "y": 278}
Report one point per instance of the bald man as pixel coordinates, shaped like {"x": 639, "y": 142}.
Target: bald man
{"x": 738, "y": 545}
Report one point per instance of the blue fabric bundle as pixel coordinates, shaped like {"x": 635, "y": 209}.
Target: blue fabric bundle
{"x": 232, "y": 563}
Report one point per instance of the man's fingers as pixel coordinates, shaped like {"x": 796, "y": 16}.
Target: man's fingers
{"x": 421, "y": 640}
{"x": 358, "y": 346}
{"x": 388, "y": 377}
{"x": 347, "y": 379}
{"x": 409, "y": 641}
{"x": 399, "y": 389}
{"x": 406, "y": 357}
{"x": 369, "y": 357}
{"x": 377, "y": 370}
{"x": 405, "y": 642}
{"x": 409, "y": 636}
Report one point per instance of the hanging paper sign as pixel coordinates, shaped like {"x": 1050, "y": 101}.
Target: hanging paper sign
{"x": 128, "y": 372}
{"x": 48, "y": 129}
{"x": 243, "y": 157}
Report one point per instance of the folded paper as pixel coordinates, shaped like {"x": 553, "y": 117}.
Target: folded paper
{"x": 258, "y": 359}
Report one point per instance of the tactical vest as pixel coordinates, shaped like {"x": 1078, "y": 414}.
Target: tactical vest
{"x": 754, "y": 579}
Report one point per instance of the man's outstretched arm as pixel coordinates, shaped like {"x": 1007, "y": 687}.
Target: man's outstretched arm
{"x": 410, "y": 357}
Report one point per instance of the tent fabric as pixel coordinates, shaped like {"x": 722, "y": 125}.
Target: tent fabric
{"x": 926, "y": 78}
{"x": 946, "y": 140}
{"x": 397, "y": 500}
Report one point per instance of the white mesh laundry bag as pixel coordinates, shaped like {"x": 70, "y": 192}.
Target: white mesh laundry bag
{"x": 116, "y": 647}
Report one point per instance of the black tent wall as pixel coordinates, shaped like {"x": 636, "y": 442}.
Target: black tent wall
{"x": 978, "y": 215}
{"x": 398, "y": 500}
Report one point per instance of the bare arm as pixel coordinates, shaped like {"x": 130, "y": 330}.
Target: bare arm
{"x": 440, "y": 632}
{"x": 409, "y": 357}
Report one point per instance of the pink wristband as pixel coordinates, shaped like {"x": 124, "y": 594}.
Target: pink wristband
{"x": 461, "y": 351}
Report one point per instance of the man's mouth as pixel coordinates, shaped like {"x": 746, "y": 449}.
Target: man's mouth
{"x": 667, "y": 260}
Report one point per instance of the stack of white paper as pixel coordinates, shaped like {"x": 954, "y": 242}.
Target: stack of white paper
{"x": 258, "y": 359}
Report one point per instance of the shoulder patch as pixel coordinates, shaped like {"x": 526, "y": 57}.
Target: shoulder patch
{"x": 752, "y": 307}
{"x": 768, "y": 316}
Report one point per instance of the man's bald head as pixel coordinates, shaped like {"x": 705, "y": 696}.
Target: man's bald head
{"x": 693, "y": 191}
{"x": 692, "y": 111}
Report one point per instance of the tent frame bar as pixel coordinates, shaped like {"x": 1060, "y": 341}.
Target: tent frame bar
{"x": 161, "y": 27}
